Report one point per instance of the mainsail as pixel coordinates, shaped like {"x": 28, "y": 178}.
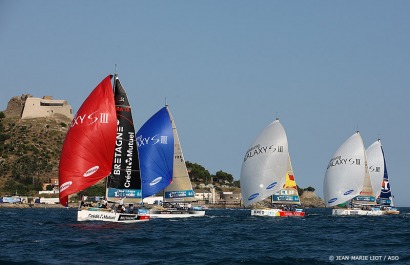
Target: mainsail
{"x": 264, "y": 167}
{"x": 156, "y": 148}
{"x": 345, "y": 172}
{"x": 89, "y": 145}
{"x": 124, "y": 180}
{"x": 289, "y": 193}
{"x": 378, "y": 173}
{"x": 366, "y": 195}
{"x": 180, "y": 189}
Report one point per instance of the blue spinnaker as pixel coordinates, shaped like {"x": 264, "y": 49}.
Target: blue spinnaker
{"x": 385, "y": 192}
{"x": 155, "y": 143}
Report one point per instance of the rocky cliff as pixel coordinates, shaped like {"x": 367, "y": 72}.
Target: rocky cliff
{"x": 29, "y": 153}
{"x": 311, "y": 200}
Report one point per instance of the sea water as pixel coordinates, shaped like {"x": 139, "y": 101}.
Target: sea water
{"x": 53, "y": 236}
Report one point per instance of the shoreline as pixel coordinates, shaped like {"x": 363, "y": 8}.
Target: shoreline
{"x": 35, "y": 205}
{"x": 75, "y": 205}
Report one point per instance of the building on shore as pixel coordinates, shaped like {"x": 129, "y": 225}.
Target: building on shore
{"x": 28, "y": 107}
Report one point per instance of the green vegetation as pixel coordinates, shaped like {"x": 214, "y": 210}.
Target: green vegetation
{"x": 29, "y": 158}
{"x": 30, "y": 151}
{"x": 301, "y": 191}
{"x": 199, "y": 175}
{"x": 29, "y": 154}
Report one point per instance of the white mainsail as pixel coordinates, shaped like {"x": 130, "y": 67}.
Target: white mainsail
{"x": 375, "y": 162}
{"x": 289, "y": 193}
{"x": 345, "y": 172}
{"x": 180, "y": 189}
{"x": 264, "y": 166}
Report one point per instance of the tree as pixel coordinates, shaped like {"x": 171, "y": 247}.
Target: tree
{"x": 309, "y": 189}
{"x": 223, "y": 177}
{"x": 198, "y": 173}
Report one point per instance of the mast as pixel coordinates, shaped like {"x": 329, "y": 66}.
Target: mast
{"x": 113, "y": 90}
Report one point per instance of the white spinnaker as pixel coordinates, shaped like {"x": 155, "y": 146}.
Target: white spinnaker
{"x": 375, "y": 161}
{"x": 264, "y": 166}
{"x": 345, "y": 172}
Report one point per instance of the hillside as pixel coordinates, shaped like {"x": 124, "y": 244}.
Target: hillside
{"x": 29, "y": 152}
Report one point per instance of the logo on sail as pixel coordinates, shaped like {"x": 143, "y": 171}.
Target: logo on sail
{"x": 271, "y": 185}
{"x": 332, "y": 200}
{"x": 348, "y": 192}
{"x": 65, "y": 185}
{"x": 90, "y": 119}
{"x": 155, "y": 181}
{"x": 336, "y": 161}
{"x": 253, "y": 196}
{"x": 162, "y": 139}
{"x": 258, "y": 150}
{"x": 91, "y": 171}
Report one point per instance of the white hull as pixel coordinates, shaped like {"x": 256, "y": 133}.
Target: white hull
{"x": 391, "y": 210}
{"x": 175, "y": 213}
{"x": 110, "y": 216}
{"x": 277, "y": 213}
{"x": 372, "y": 212}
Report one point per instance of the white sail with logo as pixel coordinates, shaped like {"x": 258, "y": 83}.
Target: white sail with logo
{"x": 264, "y": 166}
{"x": 375, "y": 161}
{"x": 378, "y": 174}
{"x": 345, "y": 172}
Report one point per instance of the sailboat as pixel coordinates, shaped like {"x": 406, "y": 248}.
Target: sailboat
{"x": 347, "y": 181}
{"x": 287, "y": 199}
{"x": 267, "y": 172}
{"x": 380, "y": 178}
{"x": 91, "y": 149}
{"x": 163, "y": 167}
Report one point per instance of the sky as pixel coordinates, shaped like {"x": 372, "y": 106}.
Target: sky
{"x": 227, "y": 69}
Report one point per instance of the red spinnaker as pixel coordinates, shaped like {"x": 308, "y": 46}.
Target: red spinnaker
{"x": 89, "y": 145}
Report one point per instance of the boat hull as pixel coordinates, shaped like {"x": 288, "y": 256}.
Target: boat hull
{"x": 391, "y": 210}
{"x": 175, "y": 213}
{"x": 353, "y": 212}
{"x": 277, "y": 213}
{"x": 110, "y": 216}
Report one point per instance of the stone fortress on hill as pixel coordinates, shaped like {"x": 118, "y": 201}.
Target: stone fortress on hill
{"x": 28, "y": 107}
